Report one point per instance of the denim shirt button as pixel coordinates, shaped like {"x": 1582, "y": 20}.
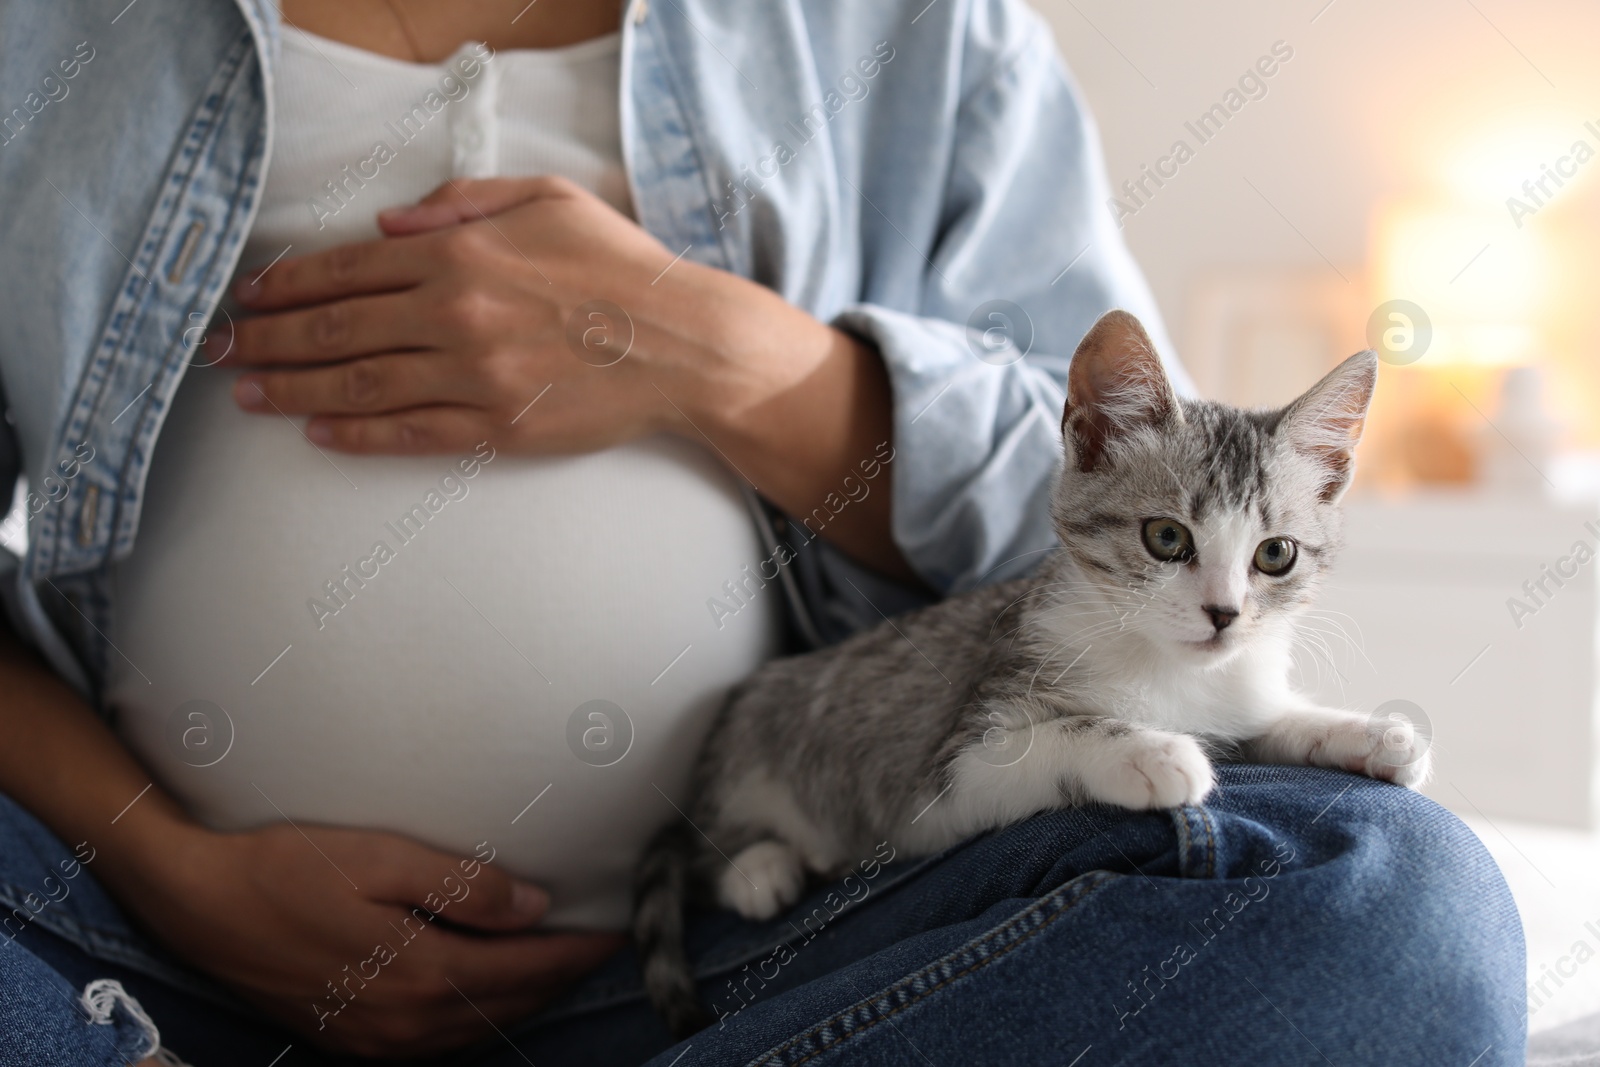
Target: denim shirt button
{"x": 88, "y": 514}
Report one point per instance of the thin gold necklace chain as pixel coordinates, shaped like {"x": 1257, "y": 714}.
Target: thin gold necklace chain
{"x": 405, "y": 30}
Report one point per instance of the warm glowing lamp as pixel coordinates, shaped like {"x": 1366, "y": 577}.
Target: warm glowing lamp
{"x": 1481, "y": 284}
{"x": 1479, "y": 279}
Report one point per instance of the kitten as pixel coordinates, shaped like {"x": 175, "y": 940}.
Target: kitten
{"x": 1192, "y": 533}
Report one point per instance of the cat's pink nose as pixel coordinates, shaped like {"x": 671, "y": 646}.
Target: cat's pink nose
{"x": 1221, "y": 617}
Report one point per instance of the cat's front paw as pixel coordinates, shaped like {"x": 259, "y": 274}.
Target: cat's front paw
{"x": 1389, "y": 747}
{"x": 765, "y": 878}
{"x": 1392, "y": 750}
{"x": 1152, "y": 770}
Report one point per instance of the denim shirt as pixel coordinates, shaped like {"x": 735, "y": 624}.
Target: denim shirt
{"x": 899, "y": 169}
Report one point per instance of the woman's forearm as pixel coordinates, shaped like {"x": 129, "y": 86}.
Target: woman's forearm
{"x": 64, "y": 765}
{"x": 801, "y": 410}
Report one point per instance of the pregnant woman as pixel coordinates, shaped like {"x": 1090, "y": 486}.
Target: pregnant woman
{"x": 430, "y": 410}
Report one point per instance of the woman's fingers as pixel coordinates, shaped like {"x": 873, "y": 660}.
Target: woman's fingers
{"x": 333, "y": 344}
{"x": 477, "y": 896}
{"x": 353, "y": 269}
{"x": 325, "y": 333}
{"x": 466, "y": 200}
{"x": 430, "y": 998}
{"x": 371, "y": 385}
{"x": 415, "y": 431}
{"x": 465, "y": 890}
{"x": 393, "y": 262}
{"x": 508, "y": 965}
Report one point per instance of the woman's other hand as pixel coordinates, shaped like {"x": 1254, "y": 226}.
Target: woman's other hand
{"x": 365, "y": 942}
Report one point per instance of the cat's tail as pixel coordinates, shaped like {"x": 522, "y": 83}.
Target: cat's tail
{"x": 660, "y": 892}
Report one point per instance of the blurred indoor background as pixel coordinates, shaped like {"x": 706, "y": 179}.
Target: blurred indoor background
{"x": 1423, "y": 178}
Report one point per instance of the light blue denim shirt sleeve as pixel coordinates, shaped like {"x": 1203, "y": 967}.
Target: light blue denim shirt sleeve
{"x": 1021, "y": 220}
{"x": 979, "y": 438}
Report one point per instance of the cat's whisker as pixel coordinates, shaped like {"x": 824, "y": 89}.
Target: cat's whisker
{"x": 1046, "y": 659}
{"x": 1083, "y": 594}
{"x": 1081, "y": 636}
{"x": 1097, "y": 586}
{"x": 1105, "y": 629}
{"x": 1328, "y": 615}
{"x": 1074, "y": 599}
{"x": 1089, "y": 595}
{"x": 1060, "y": 615}
{"x": 1312, "y": 637}
{"x": 1046, "y": 590}
{"x": 1296, "y": 651}
{"x": 1323, "y": 652}
{"x": 1314, "y": 656}
{"x": 1055, "y": 613}
{"x": 1310, "y": 632}
{"x": 1358, "y": 642}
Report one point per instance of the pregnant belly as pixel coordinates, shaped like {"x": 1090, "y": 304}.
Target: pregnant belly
{"x": 524, "y": 657}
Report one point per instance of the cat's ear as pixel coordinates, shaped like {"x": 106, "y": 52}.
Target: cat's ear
{"x": 1115, "y": 385}
{"x": 1326, "y": 422}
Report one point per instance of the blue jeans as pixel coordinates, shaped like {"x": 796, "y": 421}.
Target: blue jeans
{"x": 1300, "y": 917}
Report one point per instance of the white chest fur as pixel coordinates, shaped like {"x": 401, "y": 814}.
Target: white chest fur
{"x": 1126, "y": 676}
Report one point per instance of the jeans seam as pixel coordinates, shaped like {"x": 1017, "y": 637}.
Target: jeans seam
{"x": 752, "y": 948}
{"x": 62, "y": 922}
{"x": 768, "y": 940}
{"x": 1186, "y": 819}
{"x": 1180, "y": 821}
{"x": 115, "y": 946}
{"x": 1211, "y": 841}
{"x": 1065, "y": 898}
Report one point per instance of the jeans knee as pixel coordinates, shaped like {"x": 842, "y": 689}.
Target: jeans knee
{"x": 1389, "y": 931}
{"x": 1422, "y": 850}
{"x": 1424, "y": 895}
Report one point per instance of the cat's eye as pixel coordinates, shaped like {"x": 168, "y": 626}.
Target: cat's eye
{"x": 1168, "y": 540}
{"x": 1275, "y": 555}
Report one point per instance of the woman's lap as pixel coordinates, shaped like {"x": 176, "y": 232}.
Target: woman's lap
{"x": 1300, "y": 916}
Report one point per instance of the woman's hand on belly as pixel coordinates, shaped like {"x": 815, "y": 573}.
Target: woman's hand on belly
{"x": 481, "y": 298}
{"x": 528, "y": 313}
{"x": 333, "y": 932}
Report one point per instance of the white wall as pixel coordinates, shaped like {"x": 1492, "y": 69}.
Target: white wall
{"x": 1380, "y": 99}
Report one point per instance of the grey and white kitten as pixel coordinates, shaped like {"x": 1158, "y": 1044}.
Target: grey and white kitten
{"x": 1192, "y": 535}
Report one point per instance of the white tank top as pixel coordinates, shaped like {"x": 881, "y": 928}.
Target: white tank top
{"x": 460, "y": 649}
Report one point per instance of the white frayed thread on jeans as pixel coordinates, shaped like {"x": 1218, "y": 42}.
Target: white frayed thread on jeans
{"x": 101, "y": 997}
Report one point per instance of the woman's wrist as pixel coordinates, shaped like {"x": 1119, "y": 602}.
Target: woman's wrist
{"x": 158, "y": 856}
{"x": 76, "y": 777}
{"x": 798, "y": 407}
{"x": 728, "y": 346}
